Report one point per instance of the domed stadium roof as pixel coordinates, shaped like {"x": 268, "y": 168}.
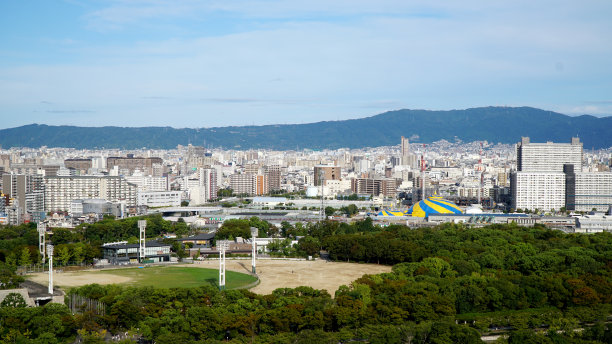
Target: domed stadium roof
{"x": 433, "y": 205}
{"x": 388, "y": 212}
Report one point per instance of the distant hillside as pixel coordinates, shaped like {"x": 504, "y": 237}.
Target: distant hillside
{"x": 495, "y": 124}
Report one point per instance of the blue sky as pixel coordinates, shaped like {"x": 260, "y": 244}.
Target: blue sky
{"x": 217, "y": 63}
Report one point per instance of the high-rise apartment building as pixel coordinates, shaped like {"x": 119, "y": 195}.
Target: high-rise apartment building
{"x": 550, "y": 176}
{"x": 81, "y": 165}
{"x": 585, "y": 191}
{"x": 405, "y": 150}
{"x": 60, "y": 191}
{"x": 274, "y": 177}
{"x": 28, "y": 192}
{"x": 407, "y": 158}
{"x": 538, "y": 190}
{"x": 328, "y": 173}
{"x": 245, "y": 183}
{"x": 148, "y": 183}
{"x": 262, "y": 184}
{"x": 250, "y": 184}
{"x": 549, "y": 156}
{"x": 386, "y": 187}
{"x": 132, "y": 163}
{"x": 208, "y": 180}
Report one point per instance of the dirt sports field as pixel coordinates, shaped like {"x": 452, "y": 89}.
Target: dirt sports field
{"x": 273, "y": 274}
{"x": 318, "y": 274}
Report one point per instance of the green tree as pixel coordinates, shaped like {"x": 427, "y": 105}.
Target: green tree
{"x": 62, "y": 254}
{"x": 25, "y": 258}
{"x": 62, "y": 236}
{"x": 309, "y": 245}
{"x": 11, "y": 260}
{"x": 78, "y": 253}
{"x": 225, "y": 193}
{"x": 14, "y": 300}
{"x": 8, "y": 278}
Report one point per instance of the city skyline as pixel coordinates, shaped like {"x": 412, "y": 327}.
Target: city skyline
{"x": 207, "y": 64}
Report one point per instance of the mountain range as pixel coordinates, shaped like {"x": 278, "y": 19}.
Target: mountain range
{"x": 494, "y": 124}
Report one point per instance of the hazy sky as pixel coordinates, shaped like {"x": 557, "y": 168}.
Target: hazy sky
{"x": 216, "y": 63}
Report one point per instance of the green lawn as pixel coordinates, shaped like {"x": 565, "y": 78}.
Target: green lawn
{"x": 171, "y": 277}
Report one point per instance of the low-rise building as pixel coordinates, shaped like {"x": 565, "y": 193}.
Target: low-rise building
{"x": 124, "y": 253}
{"x": 153, "y": 199}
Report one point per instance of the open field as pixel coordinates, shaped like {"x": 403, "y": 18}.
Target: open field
{"x": 318, "y": 274}
{"x": 273, "y": 274}
{"x": 156, "y": 276}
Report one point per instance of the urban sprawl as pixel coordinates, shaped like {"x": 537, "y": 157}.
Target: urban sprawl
{"x": 558, "y": 184}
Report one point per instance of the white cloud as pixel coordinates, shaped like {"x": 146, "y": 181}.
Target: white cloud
{"x": 328, "y": 60}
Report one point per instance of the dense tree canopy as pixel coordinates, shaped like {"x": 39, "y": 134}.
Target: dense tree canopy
{"x": 449, "y": 284}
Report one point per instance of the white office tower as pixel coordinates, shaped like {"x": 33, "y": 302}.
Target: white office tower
{"x": 548, "y": 157}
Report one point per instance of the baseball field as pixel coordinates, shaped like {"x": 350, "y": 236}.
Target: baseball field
{"x": 273, "y": 274}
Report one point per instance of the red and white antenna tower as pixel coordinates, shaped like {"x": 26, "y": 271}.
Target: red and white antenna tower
{"x": 481, "y": 168}
{"x": 423, "y": 172}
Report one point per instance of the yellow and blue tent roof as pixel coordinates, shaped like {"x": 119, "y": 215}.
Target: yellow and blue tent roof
{"x": 388, "y": 212}
{"x": 433, "y": 205}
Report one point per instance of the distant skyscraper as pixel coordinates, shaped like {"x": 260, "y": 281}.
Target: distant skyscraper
{"x": 405, "y": 150}
{"x": 407, "y": 158}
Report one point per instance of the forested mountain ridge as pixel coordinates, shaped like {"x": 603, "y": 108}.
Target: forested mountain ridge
{"x": 494, "y": 124}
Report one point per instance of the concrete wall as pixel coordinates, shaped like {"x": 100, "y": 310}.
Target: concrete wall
{"x": 23, "y": 292}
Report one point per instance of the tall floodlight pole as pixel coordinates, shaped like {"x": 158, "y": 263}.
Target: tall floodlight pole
{"x": 50, "y": 254}
{"x": 222, "y": 246}
{"x": 254, "y": 232}
{"x": 322, "y": 209}
{"x": 142, "y": 225}
{"x": 41, "y": 239}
